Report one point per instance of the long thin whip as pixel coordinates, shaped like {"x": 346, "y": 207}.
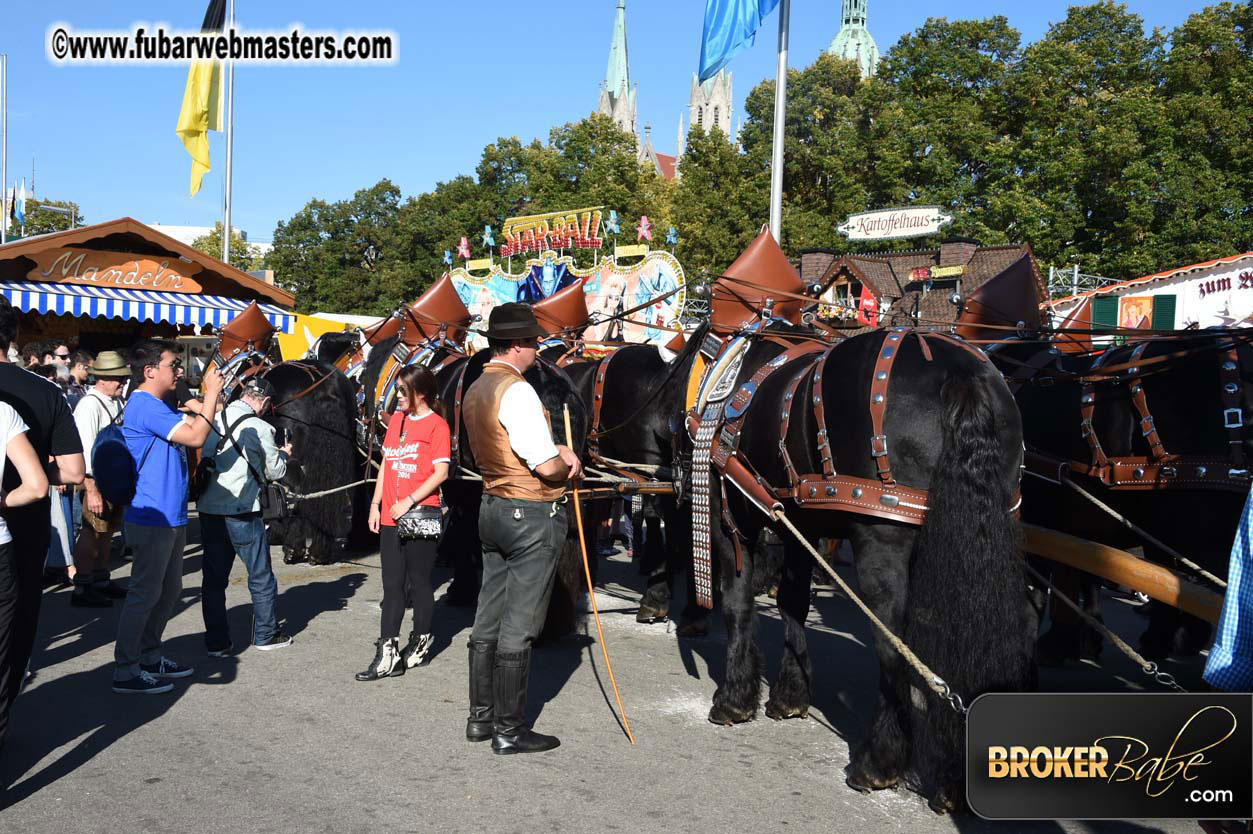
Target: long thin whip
{"x": 591, "y": 591}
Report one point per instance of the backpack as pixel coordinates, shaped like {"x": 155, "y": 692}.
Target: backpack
{"x": 112, "y": 465}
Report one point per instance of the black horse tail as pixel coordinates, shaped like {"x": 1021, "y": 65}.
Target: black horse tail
{"x": 967, "y": 608}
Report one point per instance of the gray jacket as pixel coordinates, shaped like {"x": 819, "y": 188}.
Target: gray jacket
{"x": 234, "y": 489}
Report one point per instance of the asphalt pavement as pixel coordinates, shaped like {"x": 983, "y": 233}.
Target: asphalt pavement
{"x": 287, "y": 740}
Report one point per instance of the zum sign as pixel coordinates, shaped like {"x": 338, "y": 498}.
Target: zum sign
{"x": 1224, "y": 284}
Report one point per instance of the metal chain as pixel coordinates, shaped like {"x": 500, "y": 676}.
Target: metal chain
{"x": 1148, "y": 667}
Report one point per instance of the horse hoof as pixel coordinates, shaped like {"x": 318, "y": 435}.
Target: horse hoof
{"x": 865, "y": 780}
{"x": 651, "y": 615}
{"x": 942, "y": 803}
{"x": 727, "y": 715}
{"x": 857, "y": 786}
{"x": 782, "y": 712}
{"x": 294, "y": 558}
{"x": 693, "y": 630}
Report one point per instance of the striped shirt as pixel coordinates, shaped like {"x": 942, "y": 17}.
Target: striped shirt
{"x": 1230, "y": 663}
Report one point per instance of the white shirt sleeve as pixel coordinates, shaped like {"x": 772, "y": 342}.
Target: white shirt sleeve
{"x": 522, "y": 415}
{"x": 90, "y": 416}
{"x": 11, "y": 425}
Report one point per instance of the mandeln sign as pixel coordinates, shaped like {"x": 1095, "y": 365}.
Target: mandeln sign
{"x": 891, "y": 224}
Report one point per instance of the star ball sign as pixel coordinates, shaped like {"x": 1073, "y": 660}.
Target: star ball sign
{"x": 894, "y": 223}
{"x": 568, "y": 229}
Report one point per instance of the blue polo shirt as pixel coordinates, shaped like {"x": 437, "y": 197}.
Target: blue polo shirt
{"x": 161, "y": 491}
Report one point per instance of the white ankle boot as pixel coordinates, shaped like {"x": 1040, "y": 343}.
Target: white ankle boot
{"x": 387, "y": 661}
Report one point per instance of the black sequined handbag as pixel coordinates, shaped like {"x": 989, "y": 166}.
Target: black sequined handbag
{"x": 420, "y": 522}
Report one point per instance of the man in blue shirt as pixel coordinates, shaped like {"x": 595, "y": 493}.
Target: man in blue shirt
{"x": 156, "y": 520}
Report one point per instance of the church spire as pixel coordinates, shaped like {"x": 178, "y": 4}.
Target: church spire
{"x": 853, "y": 42}
{"x": 617, "y": 75}
{"x": 617, "y": 99}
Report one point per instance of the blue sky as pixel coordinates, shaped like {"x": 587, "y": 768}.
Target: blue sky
{"x": 467, "y": 73}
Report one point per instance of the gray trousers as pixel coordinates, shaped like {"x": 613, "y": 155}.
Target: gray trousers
{"x": 521, "y": 541}
{"x": 156, "y": 582}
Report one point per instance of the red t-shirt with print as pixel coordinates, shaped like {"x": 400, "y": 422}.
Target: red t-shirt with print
{"x": 411, "y": 449}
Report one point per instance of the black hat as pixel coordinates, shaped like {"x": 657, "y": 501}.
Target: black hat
{"x": 257, "y": 386}
{"x": 513, "y": 320}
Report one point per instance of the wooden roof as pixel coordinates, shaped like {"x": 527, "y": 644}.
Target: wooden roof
{"x": 131, "y": 236}
{"x": 888, "y": 275}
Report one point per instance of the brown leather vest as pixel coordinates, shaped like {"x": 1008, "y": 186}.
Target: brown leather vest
{"x": 505, "y": 475}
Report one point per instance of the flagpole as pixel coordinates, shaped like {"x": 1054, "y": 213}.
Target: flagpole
{"x": 230, "y": 145}
{"x": 780, "y": 106}
{"x": 4, "y": 146}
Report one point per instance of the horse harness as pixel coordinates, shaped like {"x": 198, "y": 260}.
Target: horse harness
{"x": 882, "y": 496}
{"x": 1159, "y": 469}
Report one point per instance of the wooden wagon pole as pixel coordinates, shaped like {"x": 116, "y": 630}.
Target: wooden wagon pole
{"x": 1119, "y": 566}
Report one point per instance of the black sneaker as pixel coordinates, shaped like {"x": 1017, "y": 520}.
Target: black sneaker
{"x": 166, "y": 668}
{"x": 278, "y": 641}
{"x": 142, "y": 684}
{"x": 220, "y": 651}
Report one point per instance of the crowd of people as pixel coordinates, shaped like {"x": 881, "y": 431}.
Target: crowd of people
{"x": 59, "y": 410}
{"x": 96, "y": 448}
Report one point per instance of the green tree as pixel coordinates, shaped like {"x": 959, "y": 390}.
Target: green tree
{"x": 344, "y": 256}
{"x": 720, "y": 202}
{"x": 824, "y": 157}
{"x": 1091, "y": 139}
{"x": 243, "y": 255}
{"x": 937, "y": 121}
{"x": 1206, "y": 208}
{"x": 40, "y": 221}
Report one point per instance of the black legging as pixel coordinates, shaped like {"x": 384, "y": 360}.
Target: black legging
{"x": 409, "y": 560}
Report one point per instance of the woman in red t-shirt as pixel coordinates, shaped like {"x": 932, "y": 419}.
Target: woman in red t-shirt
{"x": 415, "y": 463}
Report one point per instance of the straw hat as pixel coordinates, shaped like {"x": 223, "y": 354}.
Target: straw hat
{"x": 109, "y": 363}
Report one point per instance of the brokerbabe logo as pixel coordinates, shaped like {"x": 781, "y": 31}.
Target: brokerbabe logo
{"x": 1081, "y": 756}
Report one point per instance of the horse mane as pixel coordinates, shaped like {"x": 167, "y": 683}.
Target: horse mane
{"x": 374, "y": 369}
{"x": 556, "y": 390}
{"x": 332, "y": 346}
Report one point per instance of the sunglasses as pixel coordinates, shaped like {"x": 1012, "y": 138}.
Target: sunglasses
{"x": 61, "y": 355}
{"x": 174, "y": 365}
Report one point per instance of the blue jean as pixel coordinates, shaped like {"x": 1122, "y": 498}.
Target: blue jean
{"x": 224, "y": 537}
{"x": 156, "y": 582}
{"x": 76, "y": 511}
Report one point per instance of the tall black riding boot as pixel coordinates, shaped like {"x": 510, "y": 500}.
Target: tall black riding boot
{"x": 509, "y": 734}
{"x": 482, "y": 665}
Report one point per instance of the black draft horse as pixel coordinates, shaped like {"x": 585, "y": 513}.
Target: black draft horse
{"x": 640, "y": 414}
{"x": 1184, "y": 395}
{"x": 953, "y": 589}
{"x": 460, "y": 543}
{"x": 317, "y": 405}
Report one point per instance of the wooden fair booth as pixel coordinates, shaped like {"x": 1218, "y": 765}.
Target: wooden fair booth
{"x": 108, "y": 285}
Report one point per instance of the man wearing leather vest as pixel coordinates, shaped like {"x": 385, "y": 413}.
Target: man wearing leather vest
{"x": 522, "y": 525}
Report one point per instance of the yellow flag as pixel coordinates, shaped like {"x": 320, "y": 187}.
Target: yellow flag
{"x": 201, "y": 112}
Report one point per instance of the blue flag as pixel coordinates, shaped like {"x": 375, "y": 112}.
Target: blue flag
{"x": 730, "y": 26}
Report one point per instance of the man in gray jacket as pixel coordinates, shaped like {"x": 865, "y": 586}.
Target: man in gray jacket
{"x": 243, "y": 450}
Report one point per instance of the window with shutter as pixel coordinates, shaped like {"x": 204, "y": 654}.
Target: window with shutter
{"x": 1104, "y": 312}
{"x": 1164, "y": 312}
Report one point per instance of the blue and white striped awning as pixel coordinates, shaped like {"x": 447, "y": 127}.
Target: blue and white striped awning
{"x": 141, "y": 305}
